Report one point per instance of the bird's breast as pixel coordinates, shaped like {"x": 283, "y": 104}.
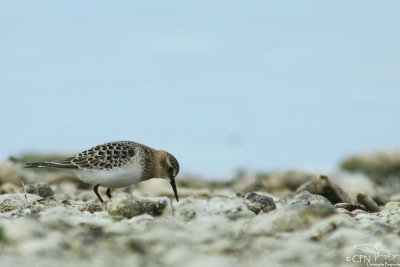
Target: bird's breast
{"x": 123, "y": 176}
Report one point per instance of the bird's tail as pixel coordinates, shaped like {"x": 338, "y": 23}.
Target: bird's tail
{"x": 36, "y": 164}
{"x": 49, "y": 165}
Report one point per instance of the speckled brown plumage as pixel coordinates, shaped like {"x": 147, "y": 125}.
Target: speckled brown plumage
{"x": 118, "y": 164}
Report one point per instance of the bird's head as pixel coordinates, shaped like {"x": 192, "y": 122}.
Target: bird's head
{"x": 169, "y": 168}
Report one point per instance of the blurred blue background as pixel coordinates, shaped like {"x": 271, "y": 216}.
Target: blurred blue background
{"x": 222, "y": 85}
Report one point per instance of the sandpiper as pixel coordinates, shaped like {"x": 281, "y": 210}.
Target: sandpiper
{"x": 118, "y": 164}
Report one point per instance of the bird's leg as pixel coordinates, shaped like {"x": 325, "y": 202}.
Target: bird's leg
{"x": 108, "y": 193}
{"x": 97, "y": 193}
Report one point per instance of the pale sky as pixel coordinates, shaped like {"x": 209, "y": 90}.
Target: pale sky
{"x": 260, "y": 85}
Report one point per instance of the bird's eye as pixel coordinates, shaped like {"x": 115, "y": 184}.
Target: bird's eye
{"x": 170, "y": 169}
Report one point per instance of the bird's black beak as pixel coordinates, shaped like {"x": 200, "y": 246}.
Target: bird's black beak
{"x": 174, "y": 188}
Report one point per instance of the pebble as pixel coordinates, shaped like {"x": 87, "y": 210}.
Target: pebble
{"x": 41, "y": 189}
{"x": 369, "y": 204}
{"x": 308, "y": 199}
{"x": 258, "y": 203}
{"x": 392, "y": 207}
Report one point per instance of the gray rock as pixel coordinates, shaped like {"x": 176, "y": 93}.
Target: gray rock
{"x": 381, "y": 200}
{"x": 327, "y": 226}
{"x": 43, "y": 204}
{"x": 41, "y": 189}
{"x": 349, "y": 206}
{"x": 128, "y": 206}
{"x": 308, "y": 199}
{"x": 294, "y": 217}
{"x": 125, "y": 205}
{"x": 258, "y": 203}
{"x": 324, "y": 187}
{"x": 392, "y": 207}
{"x": 232, "y": 208}
{"x": 367, "y": 202}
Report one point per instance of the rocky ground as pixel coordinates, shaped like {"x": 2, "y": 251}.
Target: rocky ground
{"x": 285, "y": 218}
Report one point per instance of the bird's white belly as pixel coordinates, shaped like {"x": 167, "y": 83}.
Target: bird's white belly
{"x": 114, "y": 178}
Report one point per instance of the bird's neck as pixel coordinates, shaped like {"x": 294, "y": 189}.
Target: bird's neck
{"x": 153, "y": 165}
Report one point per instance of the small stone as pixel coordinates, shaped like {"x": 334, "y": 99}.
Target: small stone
{"x": 368, "y": 202}
{"x": 258, "y": 203}
{"x": 392, "y": 207}
{"x": 41, "y": 189}
{"x": 124, "y": 205}
{"x": 349, "y": 206}
{"x": 308, "y": 199}
{"x": 324, "y": 187}
{"x": 381, "y": 200}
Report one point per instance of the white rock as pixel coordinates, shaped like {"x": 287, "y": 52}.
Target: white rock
{"x": 190, "y": 208}
{"x": 392, "y": 207}
{"x": 9, "y": 202}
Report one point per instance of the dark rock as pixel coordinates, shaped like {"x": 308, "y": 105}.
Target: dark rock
{"x": 324, "y": 187}
{"x": 381, "y": 200}
{"x": 368, "y": 202}
{"x": 258, "y": 203}
{"x": 41, "y": 189}
{"x": 350, "y": 206}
